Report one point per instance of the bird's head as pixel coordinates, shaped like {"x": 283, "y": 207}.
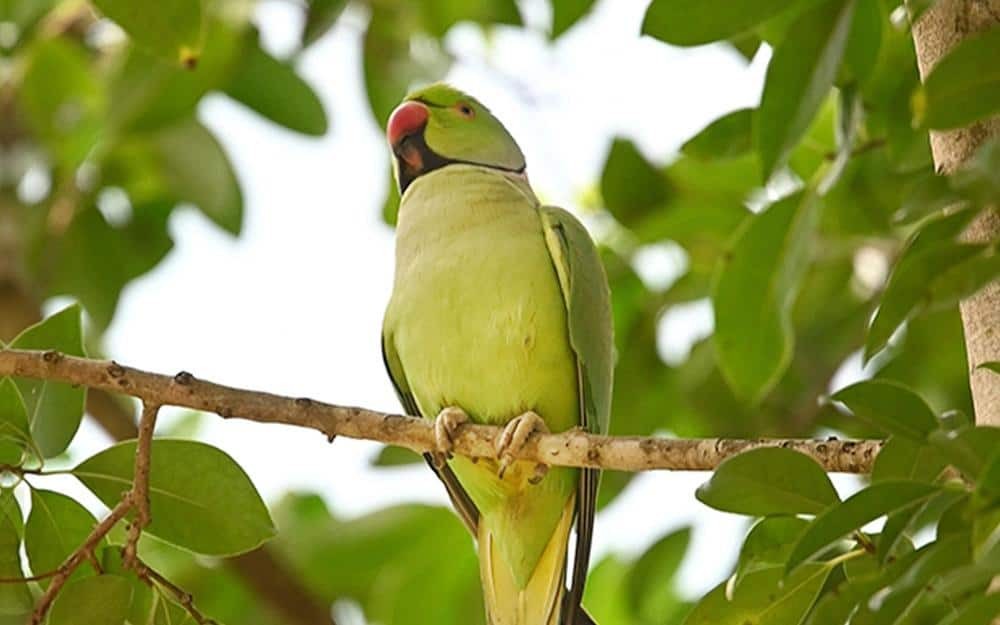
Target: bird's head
{"x": 439, "y": 125}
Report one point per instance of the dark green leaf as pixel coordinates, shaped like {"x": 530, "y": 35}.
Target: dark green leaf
{"x": 606, "y": 592}
{"x": 390, "y": 207}
{"x": 993, "y": 366}
{"x": 197, "y": 170}
{"x": 694, "y": 22}
{"x": 565, "y": 13}
{"x": 987, "y": 492}
{"x": 969, "y": 448}
{"x": 100, "y": 600}
{"x": 438, "y": 17}
{"x": 631, "y": 186}
{"x": 929, "y": 252}
{"x": 798, "y": 79}
{"x": 14, "y": 426}
{"x": 392, "y": 456}
{"x": 166, "y": 612}
{"x": 93, "y": 260}
{"x": 762, "y": 599}
{"x": 904, "y": 523}
{"x": 54, "y": 409}
{"x": 200, "y": 498}
{"x": 925, "y": 195}
{"x": 728, "y": 136}
{"x": 978, "y": 178}
{"x": 650, "y": 581}
{"x": 768, "y": 481}
{"x": 863, "y": 507}
{"x": 170, "y": 28}
{"x": 904, "y": 459}
{"x": 964, "y": 279}
{"x": 24, "y": 15}
{"x": 753, "y": 294}
{"x": 15, "y": 599}
{"x": 863, "y": 43}
{"x": 964, "y": 86}
{"x": 56, "y": 526}
{"x": 768, "y": 545}
{"x": 320, "y": 17}
{"x": 273, "y": 89}
{"x": 890, "y": 406}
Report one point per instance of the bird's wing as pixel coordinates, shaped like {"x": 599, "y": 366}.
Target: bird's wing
{"x": 588, "y": 305}
{"x": 459, "y": 498}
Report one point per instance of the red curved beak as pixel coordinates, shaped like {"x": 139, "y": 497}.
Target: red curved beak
{"x": 409, "y": 118}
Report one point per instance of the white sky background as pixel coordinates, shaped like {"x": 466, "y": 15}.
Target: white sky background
{"x": 294, "y": 305}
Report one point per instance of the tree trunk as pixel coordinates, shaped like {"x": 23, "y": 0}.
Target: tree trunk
{"x": 937, "y": 31}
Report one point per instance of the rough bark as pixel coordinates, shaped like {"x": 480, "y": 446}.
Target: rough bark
{"x": 935, "y": 33}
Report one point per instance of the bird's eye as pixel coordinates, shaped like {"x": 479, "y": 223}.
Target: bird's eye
{"x": 465, "y": 110}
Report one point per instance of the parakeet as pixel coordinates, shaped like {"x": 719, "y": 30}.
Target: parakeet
{"x": 500, "y": 314}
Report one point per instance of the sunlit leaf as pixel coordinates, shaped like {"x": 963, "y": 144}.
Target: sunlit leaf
{"x": 766, "y": 481}
{"x": 901, "y": 458}
{"x": 54, "y": 409}
{"x": 200, "y": 498}
{"x": 753, "y": 294}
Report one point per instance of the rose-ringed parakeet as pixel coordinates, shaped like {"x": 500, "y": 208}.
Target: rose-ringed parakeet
{"x": 500, "y": 315}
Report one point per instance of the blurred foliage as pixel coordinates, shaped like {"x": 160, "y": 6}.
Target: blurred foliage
{"x": 814, "y": 226}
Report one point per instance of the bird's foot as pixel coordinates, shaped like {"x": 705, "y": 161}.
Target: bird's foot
{"x": 512, "y": 439}
{"x": 445, "y": 425}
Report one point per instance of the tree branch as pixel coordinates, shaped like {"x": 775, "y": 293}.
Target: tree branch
{"x": 140, "y": 484}
{"x": 573, "y": 448}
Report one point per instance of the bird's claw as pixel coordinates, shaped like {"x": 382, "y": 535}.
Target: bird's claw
{"x": 512, "y": 439}
{"x": 445, "y": 425}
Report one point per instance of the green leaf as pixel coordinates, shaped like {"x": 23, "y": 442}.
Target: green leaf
{"x": 170, "y": 28}
{"x": 100, "y": 600}
{"x": 393, "y": 456}
{"x": 763, "y": 598}
{"x": 728, "y": 136}
{"x": 141, "y": 606}
{"x": 863, "y": 507}
{"x": 768, "y": 481}
{"x": 964, "y": 279}
{"x": 650, "y": 581}
{"x": 968, "y": 448}
{"x": 753, "y": 294}
{"x": 798, "y": 79}
{"x": 94, "y": 260}
{"x": 606, "y": 592}
{"x": 167, "y": 612}
{"x": 863, "y": 43}
{"x": 694, "y": 22}
{"x": 62, "y": 100}
{"x": 56, "y": 526}
{"x": 927, "y": 194}
{"x": 273, "y": 89}
{"x": 566, "y": 13}
{"x": 964, "y": 86}
{"x": 197, "y": 170}
{"x": 54, "y": 409}
{"x": 902, "y": 458}
{"x": 890, "y": 406}
{"x": 15, "y": 599}
{"x": 993, "y": 366}
{"x": 767, "y": 545}
{"x": 14, "y": 426}
{"x": 631, "y": 186}
{"x": 200, "y": 499}
{"x": 926, "y": 255}
{"x": 978, "y": 179}
{"x": 320, "y": 17}
{"x": 978, "y": 610}
{"x": 902, "y": 524}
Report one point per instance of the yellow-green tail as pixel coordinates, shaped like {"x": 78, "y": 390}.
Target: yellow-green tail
{"x": 540, "y": 601}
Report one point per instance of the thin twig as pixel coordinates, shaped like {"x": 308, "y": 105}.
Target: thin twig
{"x": 573, "y": 448}
{"x": 152, "y": 576}
{"x": 140, "y": 482}
{"x": 82, "y": 553}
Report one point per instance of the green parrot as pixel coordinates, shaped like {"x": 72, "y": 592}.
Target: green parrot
{"x": 500, "y": 314}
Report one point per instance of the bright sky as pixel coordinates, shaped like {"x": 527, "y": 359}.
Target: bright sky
{"x": 294, "y": 305}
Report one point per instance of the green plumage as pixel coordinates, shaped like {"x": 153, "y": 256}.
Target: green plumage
{"x": 500, "y": 306}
